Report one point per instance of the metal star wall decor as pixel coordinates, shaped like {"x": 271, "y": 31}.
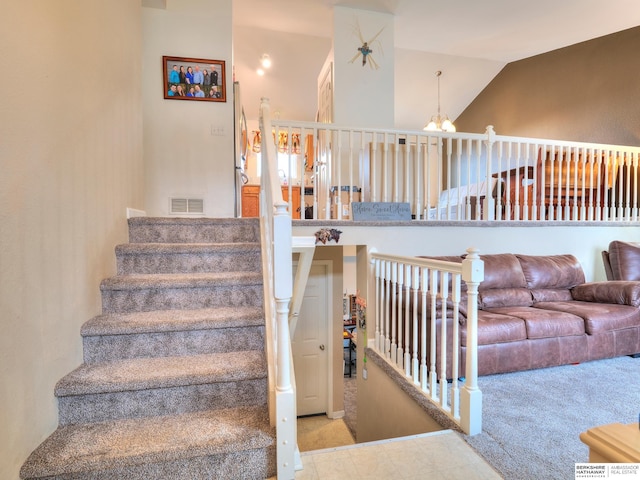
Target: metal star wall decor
{"x": 365, "y": 50}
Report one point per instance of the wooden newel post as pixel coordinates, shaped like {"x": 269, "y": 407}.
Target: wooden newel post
{"x": 471, "y": 396}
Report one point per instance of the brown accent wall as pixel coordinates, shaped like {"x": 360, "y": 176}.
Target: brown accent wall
{"x": 587, "y": 92}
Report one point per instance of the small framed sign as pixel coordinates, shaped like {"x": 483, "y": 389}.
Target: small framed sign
{"x": 381, "y": 211}
{"x": 193, "y": 79}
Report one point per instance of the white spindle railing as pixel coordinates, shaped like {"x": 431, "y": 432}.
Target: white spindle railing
{"x": 276, "y": 240}
{"x": 459, "y": 176}
{"x": 417, "y": 301}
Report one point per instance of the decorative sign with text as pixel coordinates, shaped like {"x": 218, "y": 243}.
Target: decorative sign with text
{"x": 380, "y": 211}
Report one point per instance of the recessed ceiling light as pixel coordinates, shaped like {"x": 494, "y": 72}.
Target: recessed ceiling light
{"x": 265, "y": 61}
{"x": 260, "y": 72}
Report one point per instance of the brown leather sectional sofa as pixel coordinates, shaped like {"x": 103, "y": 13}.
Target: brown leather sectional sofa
{"x": 537, "y": 311}
{"x": 622, "y": 261}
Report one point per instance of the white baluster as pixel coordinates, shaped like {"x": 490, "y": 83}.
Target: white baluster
{"x": 387, "y": 312}
{"x": 400, "y": 318}
{"x": 406, "y": 319}
{"x": 433, "y": 375}
{"x": 415, "y": 366}
{"x": 444, "y": 294}
{"x": 455, "y": 350}
{"x": 394, "y": 312}
{"x": 379, "y": 342}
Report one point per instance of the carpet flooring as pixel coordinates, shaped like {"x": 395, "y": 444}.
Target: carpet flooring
{"x": 319, "y": 432}
{"x": 532, "y": 420}
{"x": 350, "y": 405}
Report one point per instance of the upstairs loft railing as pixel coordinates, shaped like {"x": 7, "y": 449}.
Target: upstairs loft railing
{"x": 455, "y": 176}
{"x": 277, "y": 264}
{"x": 421, "y": 308}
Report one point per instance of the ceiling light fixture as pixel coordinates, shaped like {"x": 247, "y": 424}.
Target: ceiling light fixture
{"x": 437, "y": 122}
{"x": 265, "y": 61}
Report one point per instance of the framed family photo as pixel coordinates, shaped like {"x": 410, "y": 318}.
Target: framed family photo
{"x": 195, "y": 79}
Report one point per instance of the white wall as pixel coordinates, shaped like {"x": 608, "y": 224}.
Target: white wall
{"x": 290, "y": 83}
{"x": 71, "y": 154}
{"x": 363, "y": 96}
{"x": 416, "y": 85}
{"x": 298, "y": 60}
{"x": 182, "y": 157}
{"x": 349, "y": 270}
{"x": 402, "y": 415}
{"x": 585, "y": 242}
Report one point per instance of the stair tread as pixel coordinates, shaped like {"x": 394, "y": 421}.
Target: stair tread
{"x": 85, "y": 447}
{"x": 163, "y": 248}
{"x": 180, "y": 280}
{"x": 173, "y": 321}
{"x": 198, "y": 221}
{"x": 162, "y": 372}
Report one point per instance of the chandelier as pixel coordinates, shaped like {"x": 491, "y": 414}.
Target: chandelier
{"x": 439, "y": 123}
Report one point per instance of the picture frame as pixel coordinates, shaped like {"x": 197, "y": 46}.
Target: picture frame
{"x": 208, "y": 86}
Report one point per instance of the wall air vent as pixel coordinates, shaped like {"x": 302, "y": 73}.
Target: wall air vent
{"x": 186, "y": 206}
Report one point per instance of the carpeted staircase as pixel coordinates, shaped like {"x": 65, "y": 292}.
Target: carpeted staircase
{"x": 174, "y": 379}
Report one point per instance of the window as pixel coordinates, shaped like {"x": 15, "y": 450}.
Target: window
{"x": 283, "y": 166}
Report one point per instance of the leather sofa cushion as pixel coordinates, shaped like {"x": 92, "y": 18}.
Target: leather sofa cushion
{"x": 598, "y": 317}
{"x": 504, "y": 297}
{"x": 504, "y": 283}
{"x": 551, "y": 295}
{"x": 615, "y": 291}
{"x": 502, "y": 270}
{"x": 496, "y": 328}
{"x": 551, "y": 271}
{"x": 624, "y": 258}
{"x": 546, "y": 323}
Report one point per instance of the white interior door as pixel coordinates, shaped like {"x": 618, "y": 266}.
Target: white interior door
{"x": 310, "y": 344}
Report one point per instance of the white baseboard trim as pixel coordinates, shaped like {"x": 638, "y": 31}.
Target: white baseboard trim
{"x": 134, "y": 212}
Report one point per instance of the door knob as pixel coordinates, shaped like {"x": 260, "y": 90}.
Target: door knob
{"x": 321, "y": 347}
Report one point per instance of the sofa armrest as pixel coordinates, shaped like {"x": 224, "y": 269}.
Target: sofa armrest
{"x": 607, "y": 265}
{"x": 619, "y": 292}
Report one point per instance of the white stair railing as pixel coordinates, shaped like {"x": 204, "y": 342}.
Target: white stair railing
{"x": 276, "y": 240}
{"x": 420, "y": 308}
{"x": 458, "y": 176}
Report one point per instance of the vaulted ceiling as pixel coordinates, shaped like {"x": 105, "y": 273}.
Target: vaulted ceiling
{"x": 469, "y": 41}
